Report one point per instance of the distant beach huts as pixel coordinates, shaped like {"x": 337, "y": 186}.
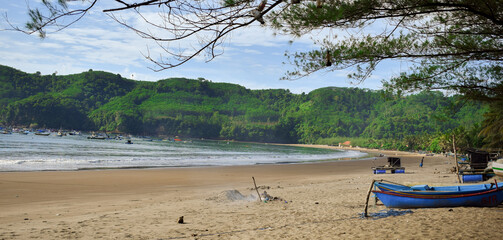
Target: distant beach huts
{"x": 393, "y": 166}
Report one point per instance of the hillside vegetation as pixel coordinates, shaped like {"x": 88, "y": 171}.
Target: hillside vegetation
{"x": 97, "y": 100}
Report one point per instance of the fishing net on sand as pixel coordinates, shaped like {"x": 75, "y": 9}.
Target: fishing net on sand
{"x": 232, "y": 196}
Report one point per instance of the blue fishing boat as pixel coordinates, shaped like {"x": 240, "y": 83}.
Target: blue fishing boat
{"x": 425, "y": 189}
{"x": 398, "y": 196}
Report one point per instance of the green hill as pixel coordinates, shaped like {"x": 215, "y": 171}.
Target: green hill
{"x": 96, "y": 100}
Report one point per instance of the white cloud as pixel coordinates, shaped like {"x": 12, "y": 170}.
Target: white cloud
{"x": 252, "y": 56}
{"x": 49, "y": 45}
{"x": 252, "y": 51}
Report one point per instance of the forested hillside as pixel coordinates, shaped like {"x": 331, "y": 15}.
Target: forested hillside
{"x": 96, "y": 100}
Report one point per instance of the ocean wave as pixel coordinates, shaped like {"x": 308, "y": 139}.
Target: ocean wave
{"x": 22, "y": 153}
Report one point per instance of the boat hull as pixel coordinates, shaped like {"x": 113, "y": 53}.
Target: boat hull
{"x": 440, "y": 190}
{"x": 43, "y": 134}
{"x": 397, "y": 199}
{"x": 498, "y": 168}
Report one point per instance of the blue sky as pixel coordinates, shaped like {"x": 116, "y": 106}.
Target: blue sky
{"x": 253, "y": 56}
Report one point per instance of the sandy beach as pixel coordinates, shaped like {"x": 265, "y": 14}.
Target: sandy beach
{"x": 314, "y": 201}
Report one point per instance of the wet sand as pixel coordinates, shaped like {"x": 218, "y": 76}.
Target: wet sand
{"x": 315, "y": 201}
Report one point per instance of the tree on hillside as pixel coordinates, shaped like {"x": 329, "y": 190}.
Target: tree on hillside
{"x": 451, "y": 44}
{"x": 457, "y": 44}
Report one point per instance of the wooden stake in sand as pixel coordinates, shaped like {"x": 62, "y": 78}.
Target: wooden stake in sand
{"x": 455, "y": 157}
{"x": 367, "y": 201}
{"x": 256, "y": 189}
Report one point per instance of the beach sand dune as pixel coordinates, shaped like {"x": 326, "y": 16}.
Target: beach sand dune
{"x": 314, "y": 201}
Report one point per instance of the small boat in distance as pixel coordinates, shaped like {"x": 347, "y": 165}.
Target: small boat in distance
{"x": 73, "y": 132}
{"x": 399, "y": 196}
{"x": 99, "y": 136}
{"x": 5, "y": 131}
{"x": 42, "y": 133}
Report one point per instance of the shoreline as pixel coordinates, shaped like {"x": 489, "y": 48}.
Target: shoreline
{"x": 370, "y": 154}
{"x": 322, "y": 200}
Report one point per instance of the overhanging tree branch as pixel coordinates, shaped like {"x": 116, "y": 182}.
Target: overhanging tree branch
{"x": 433, "y": 34}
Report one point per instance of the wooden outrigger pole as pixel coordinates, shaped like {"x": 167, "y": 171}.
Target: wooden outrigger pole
{"x": 455, "y": 157}
{"x": 367, "y": 201}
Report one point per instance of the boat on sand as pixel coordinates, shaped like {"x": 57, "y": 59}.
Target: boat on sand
{"x": 498, "y": 168}
{"x": 423, "y": 196}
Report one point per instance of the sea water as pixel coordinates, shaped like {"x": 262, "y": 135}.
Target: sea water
{"x": 42, "y": 153}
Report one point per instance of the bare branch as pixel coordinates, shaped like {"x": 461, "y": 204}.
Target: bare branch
{"x": 449, "y": 34}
